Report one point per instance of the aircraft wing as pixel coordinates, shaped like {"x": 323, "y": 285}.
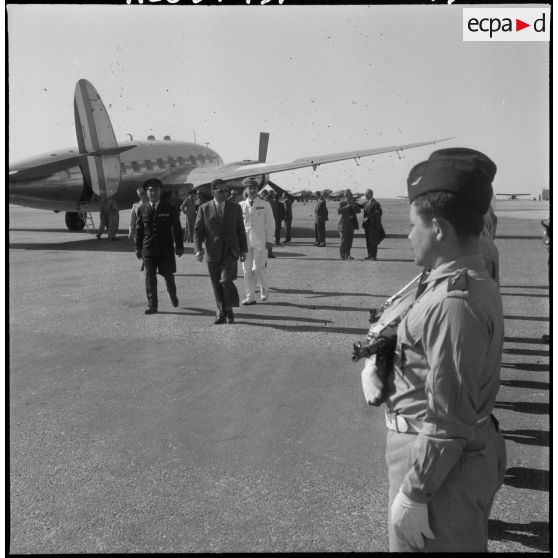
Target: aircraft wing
{"x": 204, "y": 175}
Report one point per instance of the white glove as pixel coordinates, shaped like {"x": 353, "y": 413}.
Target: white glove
{"x": 372, "y": 384}
{"x": 410, "y": 520}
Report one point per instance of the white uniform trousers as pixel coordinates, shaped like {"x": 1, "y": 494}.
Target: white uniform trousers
{"x": 254, "y": 269}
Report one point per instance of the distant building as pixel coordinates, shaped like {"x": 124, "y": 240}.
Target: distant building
{"x": 546, "y": 195}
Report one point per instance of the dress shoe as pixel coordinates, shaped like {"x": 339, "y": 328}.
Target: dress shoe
{"x": 350, "y": 258}
{"x": 174, "y": 300}
{"x": 370, "y": 258}
{"x": 248, "y": 302}
{"x": 151, "y": 311}
{"x": 271, "y": 256}
{"x": 230, "y": 318}
{"x": 321, "y": 245}
{"x": 98, "y": 237}
{"x": 220, "y": 320}
{"x": 316, "y": 243}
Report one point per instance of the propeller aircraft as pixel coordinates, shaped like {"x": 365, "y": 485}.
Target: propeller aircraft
{"x": 79, "y": 180}
{"x": 513, "y": 196}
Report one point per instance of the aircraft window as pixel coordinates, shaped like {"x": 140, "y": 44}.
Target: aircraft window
{"x": 63, "y": 174}
{"x": 122, "y": 168}
{"x": 148, "y": 164}
{"x": 135, "y": 166}
{"x": 161, "y": 163}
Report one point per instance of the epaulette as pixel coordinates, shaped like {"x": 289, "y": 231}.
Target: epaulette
{"x": 458, "y": 281}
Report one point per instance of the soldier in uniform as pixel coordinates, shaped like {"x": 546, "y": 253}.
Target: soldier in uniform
{"x": 158, "y": 238}
{"x": 445, "y": 455}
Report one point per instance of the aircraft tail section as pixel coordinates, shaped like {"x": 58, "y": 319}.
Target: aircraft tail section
{"x": 96, "y": 139}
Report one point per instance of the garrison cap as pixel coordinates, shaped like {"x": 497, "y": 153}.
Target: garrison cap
{"x": 151, "y": 183}
{"x": 458, "y": 170}
{"x": 250, "y": 181}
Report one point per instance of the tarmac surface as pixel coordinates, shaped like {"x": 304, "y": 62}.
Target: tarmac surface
{"x": 166, "y": 433}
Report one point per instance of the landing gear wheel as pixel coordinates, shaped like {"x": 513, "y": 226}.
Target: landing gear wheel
{"x": 75, "y": 221}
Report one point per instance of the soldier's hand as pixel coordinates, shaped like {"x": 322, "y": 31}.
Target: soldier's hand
{"x": 138, "y": 254}
{"x": 372, "y": 384}
{"x": 242, "y": 256}
{"x": 410, "y": 520}
{"x": 199, "y": 256}
{"x": 179, "y": 252}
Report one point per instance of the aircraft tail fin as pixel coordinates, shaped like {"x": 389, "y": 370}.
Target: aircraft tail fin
{"x": 96, "y": 139}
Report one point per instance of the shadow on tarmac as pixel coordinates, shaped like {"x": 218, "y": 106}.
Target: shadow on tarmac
{"x": 528, "y": 437}
{"x": 527, "y": 366}
{"x": 89, "y": 244}
{"x": 525, "y": 477}
{"x": 528, "y": 340}
{"x": 525, "y": 384}
{"x": 532, "y": 408}
{"x": 321, "y": 307}
{"x": 527, "y": 352}
{"x": 530, "y": 295}
{"x": 320, "y": 294}
{"x": 545, "y": 287}
{"x": 535, "y": 534}
{"x": 305, "y": 329}
{"x": 528, "y": 318}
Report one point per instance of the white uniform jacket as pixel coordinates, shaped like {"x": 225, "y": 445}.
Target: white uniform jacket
{"x": 258, "y": 222}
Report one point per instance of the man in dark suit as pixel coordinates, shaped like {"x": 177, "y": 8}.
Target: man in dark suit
{"x": 279, "y": 215}
{"x": 372, "y": 225}
{"x": 220, "y": 225}
{"x": 288, "y": 216}
{"x": 158, "y": 238}
{"x": 321, "y": 217}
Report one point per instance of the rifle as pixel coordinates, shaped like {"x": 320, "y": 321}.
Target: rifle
{"x": 382, "y": 336}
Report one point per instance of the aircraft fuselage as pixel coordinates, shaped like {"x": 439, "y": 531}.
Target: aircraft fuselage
{"x": 67, "y": 189}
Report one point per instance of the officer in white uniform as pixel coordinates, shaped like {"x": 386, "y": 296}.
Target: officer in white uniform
{"x": 446, "y": 457}
{"x": 260, "y": 228}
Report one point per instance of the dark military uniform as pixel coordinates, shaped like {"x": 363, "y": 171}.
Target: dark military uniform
{"x": 158, "y": 232}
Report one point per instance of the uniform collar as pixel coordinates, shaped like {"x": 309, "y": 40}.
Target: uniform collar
{"x": 470, "y": 261}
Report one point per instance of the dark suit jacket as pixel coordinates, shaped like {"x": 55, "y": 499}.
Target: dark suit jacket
{"x": 321, "y": 211}
{"x": 288, "y": 205}
{"x": 217, "y": 232}
{"x": 372, "y": 212}
{"x": 158, "y": 231}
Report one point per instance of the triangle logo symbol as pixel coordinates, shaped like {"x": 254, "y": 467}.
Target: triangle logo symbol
{"x": 519, "y": 25}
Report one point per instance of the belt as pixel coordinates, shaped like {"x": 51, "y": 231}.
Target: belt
{"x": 401, "y": 424}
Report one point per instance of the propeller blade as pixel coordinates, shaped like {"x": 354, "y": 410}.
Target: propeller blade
{"x": 264, "y": 140}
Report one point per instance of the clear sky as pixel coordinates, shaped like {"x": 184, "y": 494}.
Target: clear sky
{"x": 319, "y": 78}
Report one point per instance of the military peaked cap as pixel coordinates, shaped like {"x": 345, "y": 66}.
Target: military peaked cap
{"x": 151, "y": 183}
{"x": 250, "y": 181}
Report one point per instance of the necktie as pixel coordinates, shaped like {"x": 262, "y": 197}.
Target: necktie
{"x": 220, "y": 210}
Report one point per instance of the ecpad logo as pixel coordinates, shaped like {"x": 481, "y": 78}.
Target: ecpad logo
{"x": 506, "y": 24}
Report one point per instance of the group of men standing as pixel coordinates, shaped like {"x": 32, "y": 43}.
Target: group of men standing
{"x": 348, "y": 223}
